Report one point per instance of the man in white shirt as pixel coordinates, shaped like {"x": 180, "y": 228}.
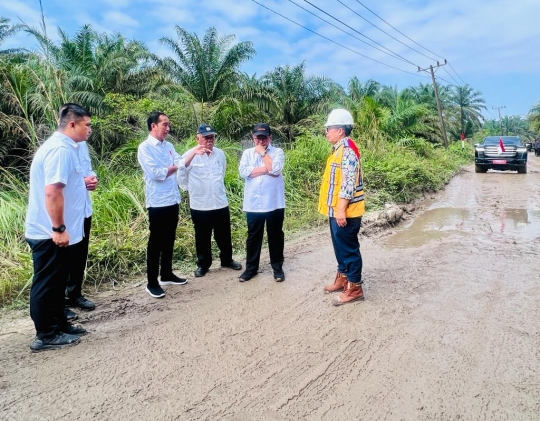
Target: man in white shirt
{"x": 202, "y": 173}
{"x": 264, "y": 202}
{"x": 159, "y": 162}
{"x": 79, "y": 251}
{"x": 54, "y": 221}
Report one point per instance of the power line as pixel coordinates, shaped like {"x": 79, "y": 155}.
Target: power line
{"x": 395, "y": 29}
{"x": 438, "y": 77}
{"x": 333, "y": 42}
{"x": 384, "y": 32}
{"x": 410, "y": 39}
{"x": 341, "y": 29}
{"x": 375, "y": 42}
{"x": 453, "y": 78}
{"x": 457, "y": 74}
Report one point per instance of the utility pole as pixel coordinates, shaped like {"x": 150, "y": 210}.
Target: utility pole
{"x": 439, "y": 108}
{"x": 500, "y": 119}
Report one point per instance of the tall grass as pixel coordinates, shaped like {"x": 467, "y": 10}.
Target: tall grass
{"x": 120, "y": 222}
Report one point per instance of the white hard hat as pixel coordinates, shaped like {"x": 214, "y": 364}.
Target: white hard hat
{"x": 339, "y": 117}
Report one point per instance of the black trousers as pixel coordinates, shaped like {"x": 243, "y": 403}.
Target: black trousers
{"x": 77, "y": 264}
{"x": 163, "y": 223}
{"x": 48, "y": 284}
{"x": 204, "y": 222}
{"x": 276, "y": 239}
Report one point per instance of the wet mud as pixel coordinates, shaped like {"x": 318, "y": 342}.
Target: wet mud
{"x": 449, "y": 330}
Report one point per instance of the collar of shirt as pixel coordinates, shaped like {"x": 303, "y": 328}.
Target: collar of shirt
{"x": 338, "y": 144}
{"x": 155, "y": 141}
{"x": 67, "y": 139}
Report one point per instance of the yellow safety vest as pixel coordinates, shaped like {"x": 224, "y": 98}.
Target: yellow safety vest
{"x": 331, "y": 185}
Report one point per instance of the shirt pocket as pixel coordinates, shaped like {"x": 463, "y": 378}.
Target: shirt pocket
{"x": 80, "y": 176}
{"x": 200, "y": 168}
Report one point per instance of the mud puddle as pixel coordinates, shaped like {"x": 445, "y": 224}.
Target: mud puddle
{"x": 461, "y": 225}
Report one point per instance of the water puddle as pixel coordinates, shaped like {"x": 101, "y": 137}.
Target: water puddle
{"x": 437, "y": 224}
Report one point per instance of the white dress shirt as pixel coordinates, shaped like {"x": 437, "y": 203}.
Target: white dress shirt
{"x": 86, "y": 163}
{"x": 56, "y": 161}
{"x": 263, "y": 193}
{"x": 204, "y": 178}
{"x": 155, "y": 157}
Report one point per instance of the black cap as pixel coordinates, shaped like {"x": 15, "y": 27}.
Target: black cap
{"x": 206, "y": 129}
{"x": 261, "y": 129}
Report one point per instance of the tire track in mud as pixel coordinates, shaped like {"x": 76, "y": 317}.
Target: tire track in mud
{"x": 444, "y": 333}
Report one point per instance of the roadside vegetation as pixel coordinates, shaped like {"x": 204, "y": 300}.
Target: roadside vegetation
{"x": 120, "y": 81}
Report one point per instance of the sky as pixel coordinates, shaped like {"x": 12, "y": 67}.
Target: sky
{"x": 492, "y": 45}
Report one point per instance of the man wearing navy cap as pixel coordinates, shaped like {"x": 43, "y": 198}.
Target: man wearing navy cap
{"x": 264, "y": 202}
{"x": 202, "y": 173}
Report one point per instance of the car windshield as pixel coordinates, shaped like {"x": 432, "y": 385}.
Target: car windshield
{"x": 507, "y": 140}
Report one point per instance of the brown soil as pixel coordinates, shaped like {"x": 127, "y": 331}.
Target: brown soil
{"x": 449, "y": 330}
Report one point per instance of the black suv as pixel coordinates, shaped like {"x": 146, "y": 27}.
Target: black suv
{"x": 489, "y": 155}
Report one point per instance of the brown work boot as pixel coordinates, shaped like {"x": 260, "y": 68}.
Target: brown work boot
{"x": 338, "y": 285}
{"x": 351, "y": 292}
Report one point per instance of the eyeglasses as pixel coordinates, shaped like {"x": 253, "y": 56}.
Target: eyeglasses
{"x": 261, "y": 138}
{"x": 332, "y": 127}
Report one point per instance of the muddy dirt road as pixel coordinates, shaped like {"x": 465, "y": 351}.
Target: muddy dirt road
{"x": 450, "y": 330}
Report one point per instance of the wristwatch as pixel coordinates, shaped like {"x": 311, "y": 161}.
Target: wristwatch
{"x": 263, "y": 154}
{"x": 60, "y": 228}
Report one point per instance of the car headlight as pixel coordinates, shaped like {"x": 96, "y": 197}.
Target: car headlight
{"x": 479, "y": 149}
{"x": 521, "y": 150}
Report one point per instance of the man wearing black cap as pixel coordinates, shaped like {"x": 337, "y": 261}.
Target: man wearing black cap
{"x": 202, "y": 173}
{"x": 264, "y": 202}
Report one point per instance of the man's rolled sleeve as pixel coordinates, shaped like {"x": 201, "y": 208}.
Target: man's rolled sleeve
{"x": 150, "y": 166}
{"x": 245, "y": 168}
{"x": 278, "y": 161}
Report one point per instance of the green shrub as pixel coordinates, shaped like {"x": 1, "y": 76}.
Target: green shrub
{"x": 393, "y": 173}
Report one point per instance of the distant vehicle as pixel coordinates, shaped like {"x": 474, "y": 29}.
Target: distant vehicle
{"x": 529, "y": 146}
{"x": 490, "y": 155}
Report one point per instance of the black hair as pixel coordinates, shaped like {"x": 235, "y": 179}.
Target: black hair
{"x": 153, "y": 118}
{"x": 347, "y": 130}
{"x": 71, "y": 112}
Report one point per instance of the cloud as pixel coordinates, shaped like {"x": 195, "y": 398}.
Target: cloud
{"x": 118, "y": 19}
{"x": 483, "y": 40}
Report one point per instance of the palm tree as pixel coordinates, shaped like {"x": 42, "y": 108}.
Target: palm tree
{"x": 469, "y": 103}
{"x": 358, "y": 90}
{"x": 516, "y": 125}
{"x": 407, "y": 119}
{"x": 291, "y": 98}
{"x": 95, "y": 64}
{"x": 534, "y": 117}
{"x": 207, "y": 69}
{"x": 7, "y": 30}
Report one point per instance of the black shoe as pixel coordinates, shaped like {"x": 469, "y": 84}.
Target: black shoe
{"x": 62, "y": 340}
{"x": 81, "y": 302}
{"x": 155, "y": 291}
{"x": 173, "y": 280}
{"x": 199, "y": 272}
{"x": 279, "y": 276}
{"x": 246, "y": 276}
{"x": 233, "y": 265}
{"x": 74, "y": 330}
{"x": 70, "y": 315}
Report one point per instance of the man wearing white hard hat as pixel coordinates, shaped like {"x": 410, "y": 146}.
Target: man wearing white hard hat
{"x": 341, "y": 198}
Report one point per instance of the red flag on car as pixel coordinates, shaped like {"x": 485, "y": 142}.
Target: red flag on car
{"x": 501, "y": 146}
